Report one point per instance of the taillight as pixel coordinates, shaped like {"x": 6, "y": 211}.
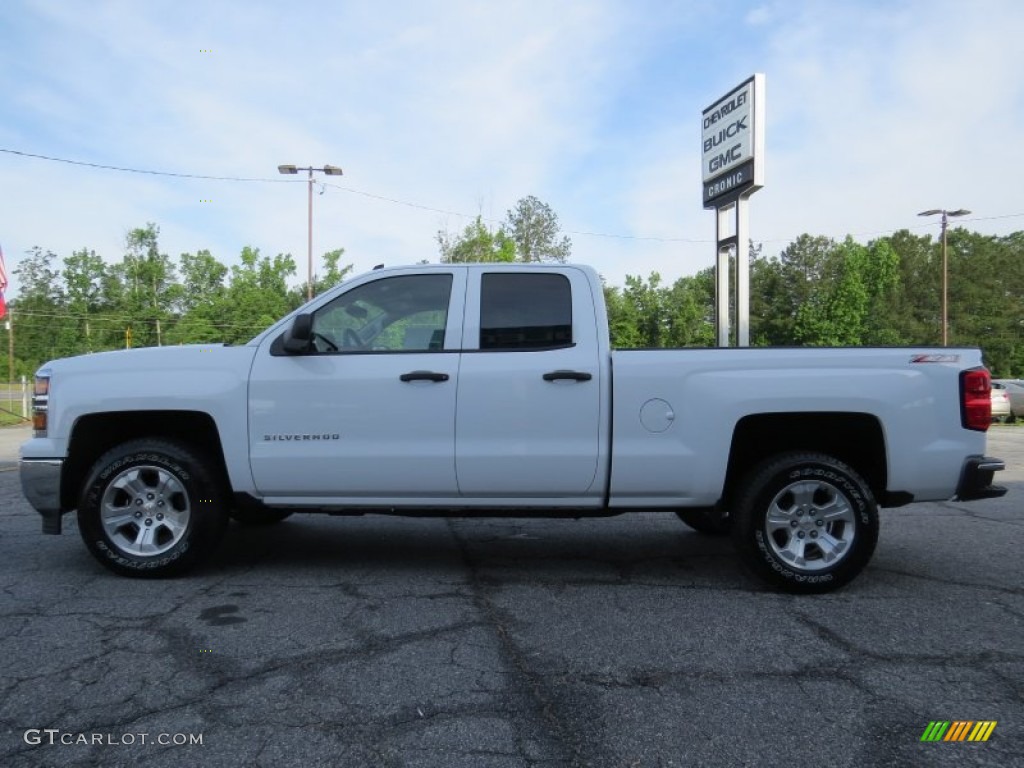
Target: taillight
{"x": 975, "y": 399}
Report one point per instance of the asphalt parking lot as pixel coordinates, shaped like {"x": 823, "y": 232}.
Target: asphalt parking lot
{"x": 627, "y": 641}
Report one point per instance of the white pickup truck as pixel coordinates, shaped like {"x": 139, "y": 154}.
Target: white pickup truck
{"x": 492, "y": 389}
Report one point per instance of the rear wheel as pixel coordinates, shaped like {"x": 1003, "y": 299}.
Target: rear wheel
{"x": 151, "y": 508}
{"x": 805, "y": 522}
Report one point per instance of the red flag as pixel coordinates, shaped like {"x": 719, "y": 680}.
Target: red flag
{"x": 3, "y": 284}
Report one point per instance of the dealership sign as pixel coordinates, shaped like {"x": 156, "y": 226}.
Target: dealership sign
{"x": 732, "y": 143}
{"x": 732, "y": 154}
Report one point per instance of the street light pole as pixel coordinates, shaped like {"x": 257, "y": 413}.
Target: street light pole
{"x": 945, "y": 266}
{"x": 309, "y": 241}
{"x": 330, "y": 170}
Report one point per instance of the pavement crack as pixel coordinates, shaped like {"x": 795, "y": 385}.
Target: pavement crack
{"x": 532, "y": 682}
{"x": 951, "y": 582}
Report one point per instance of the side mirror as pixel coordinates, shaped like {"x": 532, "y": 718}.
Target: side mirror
{"x": 298, "y": 338}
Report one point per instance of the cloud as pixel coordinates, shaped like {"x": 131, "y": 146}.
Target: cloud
{"x": 875, "y": 111}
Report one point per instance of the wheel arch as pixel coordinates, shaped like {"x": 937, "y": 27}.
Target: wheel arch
{"x": 96, "y": 433}
{"x": 856, "y": 439}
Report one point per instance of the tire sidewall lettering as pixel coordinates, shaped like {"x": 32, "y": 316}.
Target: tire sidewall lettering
{"x": 139, "y": 564}
{"x": 783, "y": 571}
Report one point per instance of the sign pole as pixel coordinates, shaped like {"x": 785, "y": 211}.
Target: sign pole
{"x": 724, "y": 238}
{"x": 722, "y": 296}
{"x": 742, "y": 273}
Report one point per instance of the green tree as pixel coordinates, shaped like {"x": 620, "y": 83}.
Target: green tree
{"x": 881, "y": 273}
{"x": 623, "y": 319}
{"x": 689, "y": 307}
{"x": 84, "y": 278}
{"x": 202, "y": 279}
{"x": 258, "y": 294}
{"x": 533, "y": 227}
{"x": 202, "y": 300}
{"x": 647, "y": 300}
{"x": 800, "y": 270}
{"x": 646, "y": 314}
{"x": 333, "y": 274}
{"x": 151, "y": 289}
{"x": 912, "y": 311}
{"x": 476, "y": 243}
{"x": 38, "y": 313}
{"x": 986, "y": 297}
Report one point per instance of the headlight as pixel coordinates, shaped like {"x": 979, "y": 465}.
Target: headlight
{"x": 40, "y": 402}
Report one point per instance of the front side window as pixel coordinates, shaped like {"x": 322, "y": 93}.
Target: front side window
{"x": 407, "y": 313}
{"x": 525, "y": 311}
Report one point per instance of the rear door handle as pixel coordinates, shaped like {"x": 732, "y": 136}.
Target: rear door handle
{"x": 570, "y": 375}
{"x": 423, "y": 376}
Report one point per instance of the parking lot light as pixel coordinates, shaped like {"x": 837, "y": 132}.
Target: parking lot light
{"x": 945, "y": 266}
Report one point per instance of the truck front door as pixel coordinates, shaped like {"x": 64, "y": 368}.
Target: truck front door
{"x": 368, "y": 410}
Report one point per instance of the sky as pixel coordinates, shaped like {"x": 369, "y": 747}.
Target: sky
{"x": 442, "y": 110}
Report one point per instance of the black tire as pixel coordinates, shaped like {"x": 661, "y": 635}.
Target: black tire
{"x": 710, "y": 522}
{"x": 259, "y": 516}
{"x": 811, "y": 494}
{"x": 164, "y": 482}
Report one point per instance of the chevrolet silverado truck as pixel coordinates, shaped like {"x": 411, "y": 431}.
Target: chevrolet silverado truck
{"x": 493, "y": 390}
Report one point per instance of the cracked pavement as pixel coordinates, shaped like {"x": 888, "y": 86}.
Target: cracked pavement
{"x": 625, "y": 641}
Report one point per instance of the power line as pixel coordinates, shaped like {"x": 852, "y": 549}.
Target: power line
{"x": 432, "y": 209}
{"x": 121, "y": 319}
{"x": 145, "y": 171}
{"x": 406, "y": 203}
{"x": 491, "y": 220}
{"x": 645, "y": 238}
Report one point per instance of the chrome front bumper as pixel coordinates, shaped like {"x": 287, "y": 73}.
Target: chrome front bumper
{"x": 40, "y": 482}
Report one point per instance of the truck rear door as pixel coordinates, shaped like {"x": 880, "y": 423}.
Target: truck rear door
{"x": 528, "y": 413}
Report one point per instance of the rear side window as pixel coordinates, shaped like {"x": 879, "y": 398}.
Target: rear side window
{"x": 525, "y": 311}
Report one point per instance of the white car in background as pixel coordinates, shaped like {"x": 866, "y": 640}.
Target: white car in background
{"x": 1000, "y": 402}
{"x": 1013, "y": 390}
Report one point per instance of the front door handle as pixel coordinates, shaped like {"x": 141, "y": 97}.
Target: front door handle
{"x": 570, "y": 375}
{"x": 423, "y": 376}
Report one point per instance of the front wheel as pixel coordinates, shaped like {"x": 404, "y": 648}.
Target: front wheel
{"x": 805, "y": 522}
{"x": 151, "y": 508}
